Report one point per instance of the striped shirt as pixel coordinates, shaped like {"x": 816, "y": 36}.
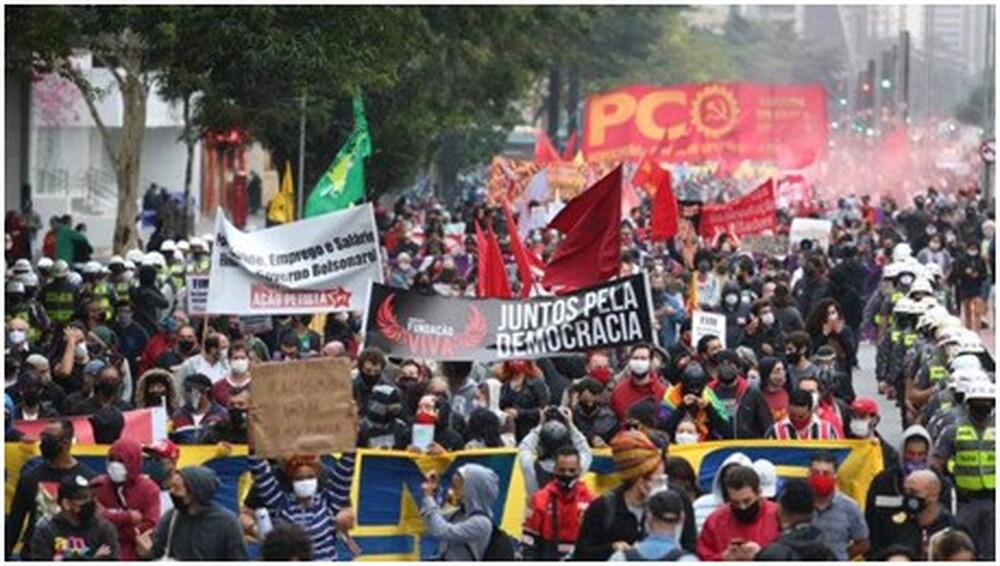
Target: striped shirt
{"x": 818, "y": 429}
{"x": 318, "y": 516}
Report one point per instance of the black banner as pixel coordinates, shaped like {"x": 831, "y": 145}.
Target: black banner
{"x": 406, "y": 324}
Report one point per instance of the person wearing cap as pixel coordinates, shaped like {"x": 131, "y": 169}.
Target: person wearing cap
{"x": 56, "y": 465}
{"x": 52, "y": 392}
{"x": 201, "y": 261}
{"x": 118, "y": 278}
{"x": 76, "y": 532}
{"x": 59, "y": 297}
{"x": 800, "y": 539}
{"x": 21, "y": 304}
{"x": 97, "y": 289}
{"x": 664, "y": 524}
{"x": 32, "y": 406}
{"x": 864, "y": 425}
{"x": 196, "y": 528}
{"x": 161, "y": 458}
{"x": 197, "y": 412}
{"x": 691, "y": 398}
{"x": 837, "y": 515}
{"x": 614, "y": 521}
{"x": 125, "y": 497}
{"x": 739, "y": 529}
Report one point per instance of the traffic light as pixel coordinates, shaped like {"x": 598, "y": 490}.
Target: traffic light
{"x": 886, "y": 84}
{"x": 866, "y": 84}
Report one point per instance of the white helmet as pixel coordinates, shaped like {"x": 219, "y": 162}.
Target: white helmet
{"x": 921, "y": 285}
{"x": 154, "y": 258}
{"x": 29, "y": 279}
{"x": 129, "y": 265}
{"x": 22, "y": 266}
{"x": 932, "y": 271}
{"x": 116, "y": 260}
{"x": 962, "y": 380}
{"x": 907, "y": 305}
{"x": 183, "y": 246}
{"x": 15, "y": 286}
{"x": 198, "y": 243}
{"x": 981, "y": 390}
{"x": 60, "y": 269}
{"x": 178, "y": 256}
{"x": 134, "y": 255}
{"x": 891, "y": 271}
{"x": 950, "y": 335}
{"x": 168, "y": 246}
{"x": 901, "y": 252}
{"x": 965, "y": 362}
{"x": 74, "y": 278}
{"x": 91, "y": 268}
{"x": 932, "y": 318}
{"x": 208, "y": 237}
{"x": 44, "y": 263}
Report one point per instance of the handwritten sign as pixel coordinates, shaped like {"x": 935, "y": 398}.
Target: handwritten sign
{"x": 705, "y": 324}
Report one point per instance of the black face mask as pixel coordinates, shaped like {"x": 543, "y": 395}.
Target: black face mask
{"x": 566, "y": 482}
{"x": 793, "y": 358}
{"x": 179, "y": 503}
{"x": 371, "y": 377}
{"x": 87, "y": 511}
{"x": 238, "y": 417}
{"x": 154, "y": 399}
{"x": 107, "y": 389}
{"x": 31, "y": 398}
{"x": 914, "y": 505}
{"x": 588, "y": 408}
{"x": 50, "y": 447}
{"x": 185, "y": 346}
{"x": 747, "y": 515}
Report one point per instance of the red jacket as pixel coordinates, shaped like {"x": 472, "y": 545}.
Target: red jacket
{"x": 157, "y": 346}
{"x": 722, "y": 527}
{"x": 627, "y": 393}
{"x": 138, "y": 493}
{"x": 539, "y": 527}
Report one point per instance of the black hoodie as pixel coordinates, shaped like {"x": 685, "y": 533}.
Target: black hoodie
{"x": 212, "y": 534}
{"x": 801, "y": 542}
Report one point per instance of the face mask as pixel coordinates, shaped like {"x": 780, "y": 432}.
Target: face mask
{"x": 980, "y": 411}
{"x": 657, "y": 484}
{"x": 686, "y": 438}
{"x": 107, "y": 389}
{"x": 304, "y": 489}
{"x": 87, "y": 511}
{"x": 638, "y": 367}
{"x": 566, "y": 482}
{"x": 914, "y": 466}
{"x": 823, "y": 485}
{"x": 860, "y": 428}
{"x": 31, "y": 398}
{"x": 185, "y": 346}
{"x": 747, "y": 515}
{"x": 914, "y": 505}
{"x": 154, "y": 399}
{"x": 972, "y": 252}
{"x": 224, "y": 354}
{"x": 732, "y": 299}
{"x": 80, "y": 351}
{"x": 117, "y": 472}
{"x": 238, "y": 417}
{"x": 179, "y": 503}
{"x": 240, "y": 366}
{"x": 17, "y": 337}
{"x": 767, "y": 319}
{"x": 602, "y": 374}
{"x": 816, "y": 399}
{"x": 793, "y": 358}
{"x": 50, "y": 447}
{"x": 800, "y": 423}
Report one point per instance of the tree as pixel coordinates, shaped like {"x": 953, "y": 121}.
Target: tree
{"x": 123, "y": 41}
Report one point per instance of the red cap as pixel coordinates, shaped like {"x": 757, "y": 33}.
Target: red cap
{"x": 865, "y": 406}
{"x": 164, "y": 449}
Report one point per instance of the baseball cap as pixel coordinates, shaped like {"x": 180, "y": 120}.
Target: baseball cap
{"x": 865, "y": 406}
{"x": 666, "y": 506}
{"x": 72, "y": 486}
{"x": 163, "y": 449}
{"x": 93, "y": 367}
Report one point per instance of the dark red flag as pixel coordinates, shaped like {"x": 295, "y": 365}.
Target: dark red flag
{"x": 569, "y": 152}
{"x": 590, "y": 252}
{"x": 545, "y": 152}
{"x": 492, "y": 282}
{"x": 527, "y": 263}
{"x": 665, "y": 210}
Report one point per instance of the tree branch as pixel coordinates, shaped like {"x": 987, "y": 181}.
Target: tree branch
{"x": 112, "y": 69}
{"x": 87, "y": 91}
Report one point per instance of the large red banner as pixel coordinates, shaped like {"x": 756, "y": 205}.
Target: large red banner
{"x": 751, "y": 214}
{"x": 728, "y": 122}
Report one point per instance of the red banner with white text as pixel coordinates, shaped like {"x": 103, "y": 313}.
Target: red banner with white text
{"x": 751, "y": 214}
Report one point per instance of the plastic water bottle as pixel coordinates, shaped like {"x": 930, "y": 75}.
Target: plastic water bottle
{"x": 264, "y": 524}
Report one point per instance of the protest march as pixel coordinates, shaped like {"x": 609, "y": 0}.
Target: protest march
{"x": 698, "y": 330}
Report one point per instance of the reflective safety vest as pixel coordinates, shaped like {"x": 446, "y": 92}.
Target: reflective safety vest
{"x": 124, "y": 290}
{"x": 102, "y": 293}
{"x": 60, "y": 305}
{"x": 177, "y": 276}
{"x": 909, "y": 339}
{"x": 938, "y": 372}
{"x": 975, "y": 458}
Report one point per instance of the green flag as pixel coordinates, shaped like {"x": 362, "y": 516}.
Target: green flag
{"x": 343, "y": 184}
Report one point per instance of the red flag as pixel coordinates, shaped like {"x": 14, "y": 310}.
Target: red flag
{"x": 545, "y": 152}
{"x": 570, "y": 150}
{"x": 650, "y": 176}
{"x": 492, "y": 282}
{"x": 665, "y": 210}
{"x": 590, "y": 252}
{"x": 527, "y": 263}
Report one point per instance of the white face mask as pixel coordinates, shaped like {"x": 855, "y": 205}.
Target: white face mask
{"x": 639, "y": 367}
{"x": 732, "y": 299}
{"x": 117, "y": 472}
{"x": 686, "y": 438}
{"x": 658, "y": 483}
{"x": 224, "y": 354}
{"x": 17, "y": 337}
{"x": 80, "y": 351}
{"x": 240, "y": 366}
{"x": 816, "y": 399}
{"x": 305, "y": 489}
{"x": 767, "y": 319}
{"x": 860, "y": 428}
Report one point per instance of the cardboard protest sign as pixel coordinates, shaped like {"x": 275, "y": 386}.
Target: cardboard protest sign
{"x": 321, "y": 264}
{"x": 809, "y": 229}
{"x": 705, "y": 324}
{"x": 303, "y": 407}
{"x": 197, "y": 294}
{"x": 406, "y": 324}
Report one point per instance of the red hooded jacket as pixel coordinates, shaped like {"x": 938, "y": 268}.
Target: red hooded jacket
{"x": 540, "y": 528}
{"x": 138, "y": 493}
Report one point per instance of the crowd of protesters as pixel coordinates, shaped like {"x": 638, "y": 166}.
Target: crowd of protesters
{"x": 97, "y": 339}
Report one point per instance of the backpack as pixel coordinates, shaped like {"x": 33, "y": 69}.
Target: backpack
{"x": 632, "y": 555}
{"x": 501, "y": 546}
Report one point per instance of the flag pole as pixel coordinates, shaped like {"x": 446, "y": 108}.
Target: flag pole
{"x": 300, "y": 209}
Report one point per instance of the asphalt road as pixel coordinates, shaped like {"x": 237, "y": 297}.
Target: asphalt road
{"x": 890, "y": 425}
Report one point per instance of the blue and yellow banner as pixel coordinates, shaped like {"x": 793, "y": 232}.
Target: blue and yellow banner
{"x": 386, "y": 489}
